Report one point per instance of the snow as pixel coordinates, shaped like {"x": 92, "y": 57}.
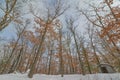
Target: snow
{"x": 18, "y": 76}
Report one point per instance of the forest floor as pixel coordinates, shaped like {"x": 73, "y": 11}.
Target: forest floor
{"x": 18, "y": 76}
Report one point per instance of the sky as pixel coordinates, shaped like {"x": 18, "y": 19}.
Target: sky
{"x": 8, "y": 32}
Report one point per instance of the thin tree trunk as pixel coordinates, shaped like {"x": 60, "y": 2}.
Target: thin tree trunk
{"x": 78, "y": 52}
{"x": 30, "y": 75}
{"x": 60, "y": 54}
{"x": 86, "y": 59}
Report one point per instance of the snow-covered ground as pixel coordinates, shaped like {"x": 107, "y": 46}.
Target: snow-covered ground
{"x": 19, "y": 76}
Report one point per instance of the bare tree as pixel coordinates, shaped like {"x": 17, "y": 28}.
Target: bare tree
{"x": 72, "y": 29}
{"x": 46, "y": 25}
{"x": 12, "y": 54}
{"x": 8, "y": 12}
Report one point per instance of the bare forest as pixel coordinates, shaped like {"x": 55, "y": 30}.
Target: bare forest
{"x": 51, "y": 37}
